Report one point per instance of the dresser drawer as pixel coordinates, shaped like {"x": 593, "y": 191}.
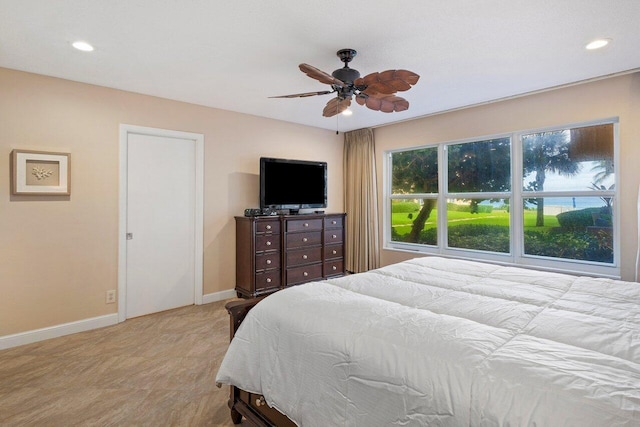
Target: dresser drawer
{"x": 268, "y": 260}
{"x": 268, "y": 243}
{"x": 268, "y": 227}
{"x": 305, "y": 273}
{"x": 304, "y": 256}
{"x": 333, "y": 222}
{"x": 257, "y": 403}
{"x": 333, "y": 268}
{"x": 332, "y": 236}
{"x": 299, "y": 240}
{"x": 333, "y": 251}
{"x": 304, "y": 224}
{"x": 268, "y": 280}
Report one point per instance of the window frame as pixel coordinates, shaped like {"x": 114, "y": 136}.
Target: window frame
{"x": 516, "y": 255}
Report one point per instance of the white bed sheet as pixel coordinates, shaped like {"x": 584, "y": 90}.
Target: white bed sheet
{"x": 441, "y": 342}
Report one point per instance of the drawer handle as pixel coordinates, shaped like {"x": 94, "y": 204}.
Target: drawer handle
{"x": 334, "y": 222}
{"x": 334, "y": 268}
{"x": 304, "y": 257}
{"x": 260, "y": 401}
{"x": 268, "y": 279}
{"x": 333, "y": 236}
{"x": 268, "y": 227}
{"x": 304, "y": 239}
{"x": 334, "y": 251}
{"x": 306, "y": 224}
{"x": 268, "y": 262}
{"x": 268, "y": 243}
{"x": 305, "y": 274}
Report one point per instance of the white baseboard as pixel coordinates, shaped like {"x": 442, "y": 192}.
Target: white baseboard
{"x": 29, "y": 337}
{"x": 218, "y": 296}
{"x": 22, "y": 338}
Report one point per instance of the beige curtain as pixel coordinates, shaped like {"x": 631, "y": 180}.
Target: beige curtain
{"x": 361, "y": 201}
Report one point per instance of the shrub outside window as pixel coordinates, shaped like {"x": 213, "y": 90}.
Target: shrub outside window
{"x": 477, "y": 225}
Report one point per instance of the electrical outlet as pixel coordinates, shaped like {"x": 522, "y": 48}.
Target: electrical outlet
{"x": 111, "y": 297}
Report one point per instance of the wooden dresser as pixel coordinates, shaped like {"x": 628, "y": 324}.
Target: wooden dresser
{"x": 273, "y": 252}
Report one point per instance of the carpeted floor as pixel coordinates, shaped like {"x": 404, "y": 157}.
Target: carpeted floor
{"x": 156, "y": 370}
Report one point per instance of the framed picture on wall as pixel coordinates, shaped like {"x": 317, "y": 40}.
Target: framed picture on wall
{"x": 40, "y": 173}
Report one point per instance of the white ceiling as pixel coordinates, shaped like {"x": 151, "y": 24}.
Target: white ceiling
{"x": 235, "y": 54}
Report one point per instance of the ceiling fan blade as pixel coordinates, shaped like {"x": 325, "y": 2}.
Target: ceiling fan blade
{"x": 304, "y": 95}
{"x": 335, "y": 106}
{"x": 388, "y": 82}
{"x": 384, "y": 103}
{"x": 320, "y": 75}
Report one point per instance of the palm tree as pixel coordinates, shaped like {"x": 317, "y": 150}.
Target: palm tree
{"x": 547, "y": 152}
{"x": 605, "y": 168}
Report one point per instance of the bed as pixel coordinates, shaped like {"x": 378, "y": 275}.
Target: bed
{"x": 439, "y": 342}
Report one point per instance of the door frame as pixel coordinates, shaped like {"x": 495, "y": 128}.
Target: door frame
{"x": 125, "y": 131}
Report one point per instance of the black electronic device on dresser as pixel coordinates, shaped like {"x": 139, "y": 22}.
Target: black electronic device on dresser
{"x": 292, "y": 185}
{"x": 259, "y": 212}
{"x": 273, "y": 252}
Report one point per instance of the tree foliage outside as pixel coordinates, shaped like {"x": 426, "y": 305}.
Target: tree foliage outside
{"x": 477, "y": 167}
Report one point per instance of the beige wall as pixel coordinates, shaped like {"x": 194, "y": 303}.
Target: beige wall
{"x": 613, "y": 97}
{"x": 58, "y": 256}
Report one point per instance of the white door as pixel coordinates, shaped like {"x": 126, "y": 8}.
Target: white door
{"x": 160, "y": 223}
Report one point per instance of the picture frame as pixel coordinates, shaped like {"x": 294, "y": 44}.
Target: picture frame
{"x": 40, "y": 173}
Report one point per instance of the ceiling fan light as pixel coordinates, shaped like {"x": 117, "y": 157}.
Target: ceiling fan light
{"x": 83, "y": 46}
{"x": 597, "y": 44}
{"x": 347, "y": 112}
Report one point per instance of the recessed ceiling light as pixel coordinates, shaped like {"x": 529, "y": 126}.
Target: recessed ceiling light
{"x": 83, "y": 46}
{"x": 597, "y": 44}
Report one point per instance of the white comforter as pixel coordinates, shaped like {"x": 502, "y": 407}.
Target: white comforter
{"x": 441, "y": 342}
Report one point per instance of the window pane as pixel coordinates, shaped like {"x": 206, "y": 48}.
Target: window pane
{"x": 414, "y": 221}
{"x": 415, "y": 171}
{"x": 577, "y": 228}
{"x": 570, "y": 159}
{"x": 478, "y": 224}
{"x": 480, "y": 166}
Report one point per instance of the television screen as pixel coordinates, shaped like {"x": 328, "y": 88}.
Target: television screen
{"x": 292, "y": 184}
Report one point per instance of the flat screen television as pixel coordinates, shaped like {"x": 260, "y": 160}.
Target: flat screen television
{"x": 292, "y": 184}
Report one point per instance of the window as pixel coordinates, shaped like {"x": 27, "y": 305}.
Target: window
{"x": 478, "y": 179}
{"x": 544, "y": 198}
{"x": 414, "y": 183}
{"x": 568, "y": 193}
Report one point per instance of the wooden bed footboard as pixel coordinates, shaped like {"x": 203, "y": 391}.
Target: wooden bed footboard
{"x": 242, "y": 403}
{"x": 238, "y": 310}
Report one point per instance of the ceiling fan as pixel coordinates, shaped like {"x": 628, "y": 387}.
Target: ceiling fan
{"x": 375, "y": 90}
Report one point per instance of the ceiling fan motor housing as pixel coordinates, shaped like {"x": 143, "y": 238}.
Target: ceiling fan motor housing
{"x": 346, "y": 74}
